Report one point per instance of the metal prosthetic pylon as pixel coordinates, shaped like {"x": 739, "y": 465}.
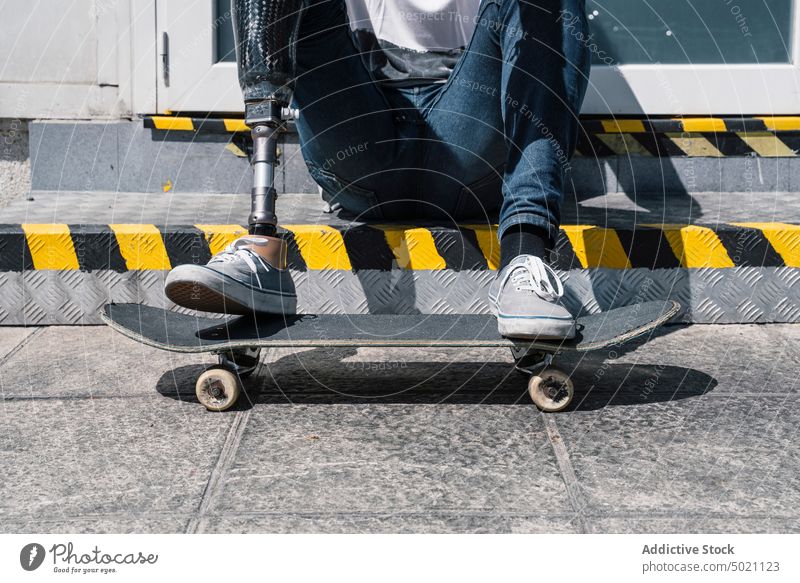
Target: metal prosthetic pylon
{"x": 264, "y": 131}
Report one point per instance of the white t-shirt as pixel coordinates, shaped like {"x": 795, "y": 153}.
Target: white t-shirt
{"x": 412, "y": 41}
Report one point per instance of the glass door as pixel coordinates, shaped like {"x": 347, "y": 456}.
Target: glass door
{"x": 650, "y": 56}
{"x": 693, "y": 57}
{"x": 197, "y": 60}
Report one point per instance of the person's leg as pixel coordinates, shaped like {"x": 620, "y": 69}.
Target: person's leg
{"x": 346, "y": 126}
{"x": 507, "y": 123}
{"x": 545, "y": 75}
{"x": 342, "y": 115}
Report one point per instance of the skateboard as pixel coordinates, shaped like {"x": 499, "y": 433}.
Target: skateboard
{"x": 238, "y": 340}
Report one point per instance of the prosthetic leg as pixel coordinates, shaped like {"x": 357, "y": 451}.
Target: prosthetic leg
{"x": 264, "y": 131}
{"x": 250, "y": 275}
{"x": 266, "y": 36}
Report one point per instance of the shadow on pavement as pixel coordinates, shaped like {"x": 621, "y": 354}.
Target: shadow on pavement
{"x": 328, "y": 377}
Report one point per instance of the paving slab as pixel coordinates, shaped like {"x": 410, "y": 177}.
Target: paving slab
{"x": 727, "y": 456}
{"x": 79, "y": 361}
{"x": 121, "y": 524}
{"x": 693, "y": 360}
{"x": 465, "y": 377}
{"x": 393, "y": 458}
{"x": 69, "y": 458}
{"x": 694, "y": 524}
{"x": 407, "y": 375}
{"x": 395, "y": 523}
{"x": 10, "y": 339}
{"x": 693, "y": 431}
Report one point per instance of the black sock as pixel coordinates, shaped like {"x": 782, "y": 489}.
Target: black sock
{"x": 522, "y": 240}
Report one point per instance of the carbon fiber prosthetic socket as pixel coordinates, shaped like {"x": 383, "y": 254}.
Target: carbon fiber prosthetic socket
{"x": 266, "y": 33}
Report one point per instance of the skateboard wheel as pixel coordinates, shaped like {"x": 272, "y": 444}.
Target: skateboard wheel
{"x": 551, "y": 390}
{"x": 218, "y": 389}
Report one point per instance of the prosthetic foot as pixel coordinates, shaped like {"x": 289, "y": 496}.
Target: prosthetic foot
{"x": 250, "y": 275}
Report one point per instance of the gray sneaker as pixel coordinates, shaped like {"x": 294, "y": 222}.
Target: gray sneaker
{"x": 523, "y": 296}
{"x": 248, "y": 276}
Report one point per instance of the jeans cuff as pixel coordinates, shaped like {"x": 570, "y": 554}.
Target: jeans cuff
{"x": 529, "y": 219}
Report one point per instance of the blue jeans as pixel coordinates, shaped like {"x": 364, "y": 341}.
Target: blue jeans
{"x": 497, "y": 135}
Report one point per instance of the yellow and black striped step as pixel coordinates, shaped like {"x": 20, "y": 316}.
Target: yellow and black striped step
{"x": 716, "y": 137}
{"x": 132, "y": 247}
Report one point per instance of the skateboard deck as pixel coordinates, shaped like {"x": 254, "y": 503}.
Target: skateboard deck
{"x": 178, "y": 332}
{"x": 239, "y": 340}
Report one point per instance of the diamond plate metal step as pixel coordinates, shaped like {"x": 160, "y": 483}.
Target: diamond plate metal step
{"x": 709, "y": 296}
{"x": 57, "y": 273}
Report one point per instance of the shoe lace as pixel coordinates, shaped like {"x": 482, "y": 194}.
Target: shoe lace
{"x": 533, "y": 275}
{"x": 237, "y": 251}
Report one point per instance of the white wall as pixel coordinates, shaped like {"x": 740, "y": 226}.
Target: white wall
{"x": 77, "y": 59}
{"x": 98, "y": 59}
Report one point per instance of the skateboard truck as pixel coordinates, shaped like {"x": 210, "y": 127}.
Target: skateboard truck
{"x": 242, "y": 361}
{"x": 265, "y": 120}
{"x": 551, "y": 389}
{"x": 527, "y": 360}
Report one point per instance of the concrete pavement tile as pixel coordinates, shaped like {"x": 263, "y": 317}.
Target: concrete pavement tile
{"x": 94, "y": 360}
{"x": 127, "y": 524}
{"x": 698, "y": 524}
{"x": 739, "y": 358}
{"x": 10, "y": 338}
{"x": 67, "y": 458}
{"x": 676, "y": 363}
{"x": 397, "y": 523}
{"x": 602, "y": 382}
{"x": 731, "y": 456}
{"x": 391, "y": 376}
{"x": 377, "y": 458}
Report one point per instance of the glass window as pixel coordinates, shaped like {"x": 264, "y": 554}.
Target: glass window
{"x": 690, "y": 31}
{"x": 655, "y": 31}
{"x": 223, "y": 32}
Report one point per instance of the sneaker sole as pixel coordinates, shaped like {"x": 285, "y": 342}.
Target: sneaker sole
{"x": 205, "y": 293}
{"x": 536, "y": 328}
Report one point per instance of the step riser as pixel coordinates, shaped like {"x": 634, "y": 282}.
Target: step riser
{"x": 709, "y": 296}
{"x": 127, "y": 157}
